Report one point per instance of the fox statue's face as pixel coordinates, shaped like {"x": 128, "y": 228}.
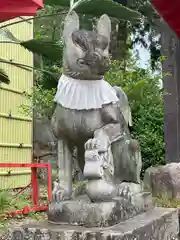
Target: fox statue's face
{"x": 86, "y": 52}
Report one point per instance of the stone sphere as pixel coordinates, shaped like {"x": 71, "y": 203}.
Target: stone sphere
{"x": 100, "y": 190}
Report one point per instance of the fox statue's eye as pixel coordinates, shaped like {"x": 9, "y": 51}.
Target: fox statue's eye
{"x": 80, "y": 62}
{"x": 82, "y": 46}
{"x": 79, "y": 40}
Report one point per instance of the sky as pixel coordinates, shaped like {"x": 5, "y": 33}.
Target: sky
{"x": 144, "y": 59}
{"x": 143, "y": 55}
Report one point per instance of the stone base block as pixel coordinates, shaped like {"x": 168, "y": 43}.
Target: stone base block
{"x": 100, "y": 214}
{"x": 156, "y": 224}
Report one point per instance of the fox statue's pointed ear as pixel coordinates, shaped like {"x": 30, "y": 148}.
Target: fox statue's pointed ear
{"x": 104, "y": 26}
{"x": 71, "y": 24}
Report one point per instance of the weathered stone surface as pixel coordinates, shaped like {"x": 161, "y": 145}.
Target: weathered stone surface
{"x": 157, "y": 224}
{"x": 99, "y": 214}
{"x": 163, "y": 181}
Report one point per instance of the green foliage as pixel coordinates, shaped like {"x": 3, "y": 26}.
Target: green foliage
{"x": 146, "y": 32}
{"x": 142, "y": 89}
{"x": 49, "y": 23}
{"x": 10, "y": 202}
{"x": 4, "y": 201}
{"x": 50, "y": 82}
{"x": 41, "y": 98}
{"x": 166, "y": 202}
{"x": 99, "y": 7}
{"x": 52, "y": 50}
{"x": 41, "y": 102}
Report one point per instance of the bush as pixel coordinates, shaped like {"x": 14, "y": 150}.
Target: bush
{"x": 142, "y": 89}
{"x": 41, "y": 99}
{"x": 41, "y": 102}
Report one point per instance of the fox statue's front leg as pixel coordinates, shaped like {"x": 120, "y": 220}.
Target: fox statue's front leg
{"x": 62, "y": 189}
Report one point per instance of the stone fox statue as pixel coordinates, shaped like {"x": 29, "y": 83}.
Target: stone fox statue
{"x": 92, "y": 115}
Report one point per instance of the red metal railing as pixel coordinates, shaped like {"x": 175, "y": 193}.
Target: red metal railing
{"x": 34, "y": 184}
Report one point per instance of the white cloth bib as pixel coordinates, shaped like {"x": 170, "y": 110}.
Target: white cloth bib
{"x": 84, "y": 94}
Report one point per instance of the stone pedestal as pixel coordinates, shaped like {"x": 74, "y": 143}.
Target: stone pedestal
{"x": 83, "y": 212}
{"x": 157, "y": 224}
{"x": 130, "y": 218}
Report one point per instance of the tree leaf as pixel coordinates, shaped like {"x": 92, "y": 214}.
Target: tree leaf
{"x": 28, "y": 68}
{"x": 71, "y": 3}
{"x": 99, "y": 7}
{"x": 4, "y": 77}
{"x": 49, "y": 49}
{"x": 76, "y": 4}
{"x": 8, "y": 34}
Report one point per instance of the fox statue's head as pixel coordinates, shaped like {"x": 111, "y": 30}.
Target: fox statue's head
{"x": 86, "y": 54}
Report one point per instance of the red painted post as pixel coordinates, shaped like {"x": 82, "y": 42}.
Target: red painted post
{"x": 34, "y": 183}
{"x": 49, "y": 183}
{"x": 35, "y": 190}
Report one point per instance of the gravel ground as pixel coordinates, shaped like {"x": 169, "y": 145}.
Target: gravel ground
{"x": 12, "y": 223}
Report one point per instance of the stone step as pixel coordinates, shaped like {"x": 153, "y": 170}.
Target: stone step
{"x": 156, "y": 224}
